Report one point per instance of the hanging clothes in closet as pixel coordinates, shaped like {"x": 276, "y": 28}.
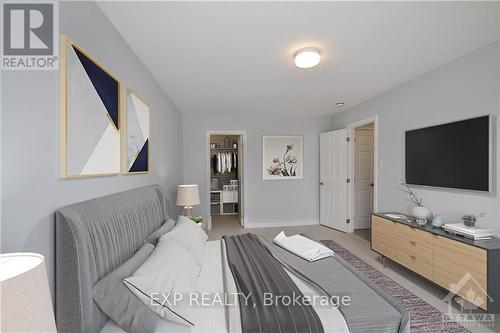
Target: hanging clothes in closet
{"x": 215, "y": 163}
{"x": 224, "y": 162}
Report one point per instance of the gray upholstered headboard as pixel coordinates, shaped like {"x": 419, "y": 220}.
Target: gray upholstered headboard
{"x": 92, "y": 239}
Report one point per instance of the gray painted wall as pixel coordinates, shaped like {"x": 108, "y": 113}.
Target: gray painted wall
{"x": 268, "y": 202}
{"x": 464, "y": 88}
{"x": 31, "y": 187}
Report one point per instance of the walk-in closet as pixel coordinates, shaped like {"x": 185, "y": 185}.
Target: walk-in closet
{"x": 225, "y": 170}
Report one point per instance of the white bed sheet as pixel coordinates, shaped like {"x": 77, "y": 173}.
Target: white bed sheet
{"x": 215, "y": 277}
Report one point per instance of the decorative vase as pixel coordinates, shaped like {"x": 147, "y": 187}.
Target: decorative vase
{"x": 437, "y": 221}
{"x": 421, "y": 222}
{"x": 420, "y": 212}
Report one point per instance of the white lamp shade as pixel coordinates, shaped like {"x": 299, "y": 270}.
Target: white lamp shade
{"x": 26, "y": 305}
{"x": 188, "y": 195}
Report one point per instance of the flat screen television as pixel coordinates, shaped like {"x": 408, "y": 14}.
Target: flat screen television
{"x": 454, "y": 155}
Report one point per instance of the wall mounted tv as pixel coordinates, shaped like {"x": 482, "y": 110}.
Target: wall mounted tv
{"x": 454, "y": 155}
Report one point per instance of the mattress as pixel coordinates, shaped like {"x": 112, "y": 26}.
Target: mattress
{"x": 215, "y": 278}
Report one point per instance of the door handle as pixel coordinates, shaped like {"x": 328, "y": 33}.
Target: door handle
{"x": 371, "y": 184}
{"x": 321, "y": 183}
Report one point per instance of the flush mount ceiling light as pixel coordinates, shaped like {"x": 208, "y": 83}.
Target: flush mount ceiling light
{"x": 307, "y": 57}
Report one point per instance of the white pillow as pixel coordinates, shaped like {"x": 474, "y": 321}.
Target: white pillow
{"x": 190, "y": 235}
{"x": 169, "y": 272}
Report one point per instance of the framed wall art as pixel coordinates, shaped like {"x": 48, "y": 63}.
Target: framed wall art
{"x": 90, "y": 115}
{"x": 282, "y": 157}
{"x": 137, "y": 134}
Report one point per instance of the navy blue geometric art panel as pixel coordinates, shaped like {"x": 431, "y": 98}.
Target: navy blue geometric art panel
{"x": 141, "y": 162}
{"x": 106, "y": 86}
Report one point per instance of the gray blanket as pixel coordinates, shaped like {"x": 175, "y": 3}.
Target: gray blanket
{"x": 256, "y": 274}
{"x": 371, "y": 309}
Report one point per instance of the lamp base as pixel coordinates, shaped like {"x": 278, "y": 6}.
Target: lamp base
{"x": 187, "y": 210}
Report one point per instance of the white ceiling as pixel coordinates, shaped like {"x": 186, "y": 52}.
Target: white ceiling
{"x": 230, "y": 57}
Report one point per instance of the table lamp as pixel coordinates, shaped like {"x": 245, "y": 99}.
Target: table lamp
{"x": 187, "y": 197}
{"x": 25, "y": 305}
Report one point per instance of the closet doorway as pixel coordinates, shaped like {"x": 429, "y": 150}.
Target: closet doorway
{"x": 226, "y": 175}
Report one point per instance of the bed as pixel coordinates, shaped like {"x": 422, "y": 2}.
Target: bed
{"x": 215, "y": 275}
{"x": 97, "y": 236}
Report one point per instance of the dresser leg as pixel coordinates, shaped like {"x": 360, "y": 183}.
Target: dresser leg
{"x": 384, "y": 261}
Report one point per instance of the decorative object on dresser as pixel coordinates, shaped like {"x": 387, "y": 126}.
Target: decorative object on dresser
{"x": 137, "y": 134}
{"x": 421, "y": 221}
{"x": 187, "y": 197}
{"x": 24, "y": 291}
{"x": 90, "y": 115}
{"x": 437, "y": 221}
{"x": 468, "y": 232}
{"x": 419, "y": 211}
{"x": 282, "y": 157}
{"x": 443, "y": 258}
{"x": 471, "y": 219}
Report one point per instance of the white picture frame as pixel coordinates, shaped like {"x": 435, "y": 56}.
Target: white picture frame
{"x": 282, "y": 157}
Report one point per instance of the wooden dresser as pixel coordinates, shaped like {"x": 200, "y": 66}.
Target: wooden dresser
{"x": 467, "y": 268}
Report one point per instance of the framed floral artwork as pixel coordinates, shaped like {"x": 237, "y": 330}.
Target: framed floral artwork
{"x": 282, "y": 157}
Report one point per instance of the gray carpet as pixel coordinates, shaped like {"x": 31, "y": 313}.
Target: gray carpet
{"x": 424, "y": 318}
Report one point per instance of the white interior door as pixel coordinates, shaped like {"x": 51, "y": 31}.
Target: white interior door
{"x": 363, "y": 177}
{"x": 334, "y": 179}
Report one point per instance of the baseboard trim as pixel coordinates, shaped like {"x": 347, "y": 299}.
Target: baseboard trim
{"x": 273, "y": 223}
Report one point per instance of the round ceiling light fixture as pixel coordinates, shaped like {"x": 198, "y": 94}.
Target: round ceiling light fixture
{"x": 307, "y": 57}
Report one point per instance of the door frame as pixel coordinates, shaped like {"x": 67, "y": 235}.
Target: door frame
{"x": 351, "y": 158}
{"x": 242, "y": 173}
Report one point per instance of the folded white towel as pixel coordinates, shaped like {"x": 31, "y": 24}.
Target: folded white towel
{"x": 303, "y": 247}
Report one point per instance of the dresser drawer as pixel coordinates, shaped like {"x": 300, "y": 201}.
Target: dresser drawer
{"x": 470, "y": 289}
{"x": 384, "y": 248}
{"x": 384, "y": 237}
{"x": 458, "y": 263}
{"x": 413, "y": 234}
{"x": 415, "y": 263}
{"x": 458, "y": 259}
{"x": 384, "y": 226}
{"x": 415, "y": 248}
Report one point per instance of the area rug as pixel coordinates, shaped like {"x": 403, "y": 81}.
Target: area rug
{"x": 424, "y": 318}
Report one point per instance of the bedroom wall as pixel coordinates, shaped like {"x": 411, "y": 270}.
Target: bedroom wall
{"x": 464, "y": 88}
{"x": 269, "y": 203}
{"x": 30, "y": 183}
